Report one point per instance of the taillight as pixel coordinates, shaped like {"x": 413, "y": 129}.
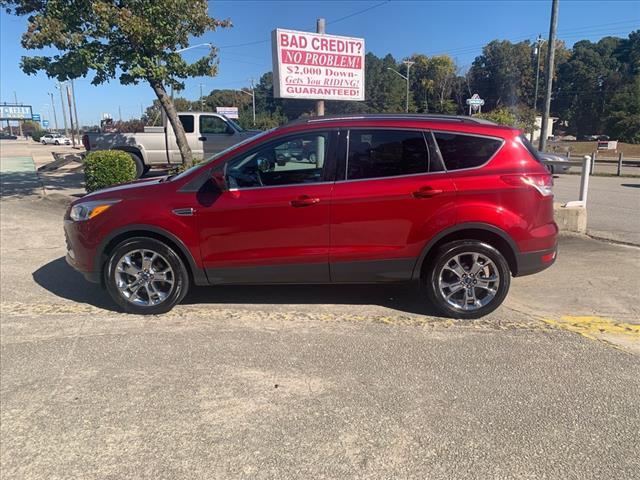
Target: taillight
{"x": 542, "y": 182}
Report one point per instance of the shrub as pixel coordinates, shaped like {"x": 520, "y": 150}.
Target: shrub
{"x": 105, "y": 168}
{"x": 37, "y": 135}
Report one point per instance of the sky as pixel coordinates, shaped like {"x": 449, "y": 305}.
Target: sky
{"x": 457, "y": 28}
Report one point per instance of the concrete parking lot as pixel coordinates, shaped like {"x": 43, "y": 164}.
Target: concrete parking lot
{"x": 315, "y": 381}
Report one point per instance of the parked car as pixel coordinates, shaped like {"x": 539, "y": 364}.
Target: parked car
{"x": 54, "y": 139}
{"x": 553, "y": 168}
{"x": 6, "y": 136}
{"x": 207, "y": 133}
{"x": 456, "y": 204}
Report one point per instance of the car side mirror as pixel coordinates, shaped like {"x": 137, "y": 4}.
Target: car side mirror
{"x": 219, "y": 177}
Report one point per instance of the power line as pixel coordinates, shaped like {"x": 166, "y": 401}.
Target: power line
{"x": 351, "y": 15}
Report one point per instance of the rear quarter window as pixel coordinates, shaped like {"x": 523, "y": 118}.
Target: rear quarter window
{"x": 465, "y": 151}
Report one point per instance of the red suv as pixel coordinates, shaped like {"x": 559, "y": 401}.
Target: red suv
{"x": 454, "y": 203}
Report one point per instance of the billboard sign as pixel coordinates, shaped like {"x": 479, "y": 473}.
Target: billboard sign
{"x": 317, "y": 66}
{"x": 15, "y": 112}
{"x": 229, "y": 112}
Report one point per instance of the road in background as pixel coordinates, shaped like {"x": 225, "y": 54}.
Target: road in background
{"x": 613, "y": 205}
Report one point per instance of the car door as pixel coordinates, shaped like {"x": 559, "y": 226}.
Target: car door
{"x": 215, "y": 135}
{"x": 272, "y": 225}
{"x": 392, "y": 197}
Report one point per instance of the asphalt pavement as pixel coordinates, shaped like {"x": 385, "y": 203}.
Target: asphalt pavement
{"x": 315, "y": 381}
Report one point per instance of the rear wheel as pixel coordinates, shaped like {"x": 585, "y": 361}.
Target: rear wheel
{"x": 57, "y": 142}
{"x": 140, "y": 167}
{"x": 467, "y": 279}
{"x": 145, "y": 276}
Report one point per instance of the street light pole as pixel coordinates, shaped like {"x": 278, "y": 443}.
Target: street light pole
{"x": 75, "y": 109}
{"x": 73, "y": 135}
{"x": 253, "y": 99}
{"x": 406, "y": 78}
{"x": 53, "y": 107}
{"x": 64, "y": 112}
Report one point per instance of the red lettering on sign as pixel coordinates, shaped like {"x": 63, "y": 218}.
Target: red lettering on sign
{"x": 321, "y": 59}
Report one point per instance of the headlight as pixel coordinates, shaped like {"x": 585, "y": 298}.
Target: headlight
{"x": 86, "y": 210}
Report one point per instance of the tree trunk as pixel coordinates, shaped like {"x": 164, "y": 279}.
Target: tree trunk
{"x": 172, "y": 115}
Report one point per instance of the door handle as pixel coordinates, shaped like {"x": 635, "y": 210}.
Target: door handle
{"x": 426, "y": 192}
{"x": 202, "y": 139}
{"x": 304, "y": 201}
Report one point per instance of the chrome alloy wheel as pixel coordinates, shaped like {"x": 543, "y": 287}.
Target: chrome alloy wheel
{"x": 468, "y": 281}
{"x": 144, "y": 277}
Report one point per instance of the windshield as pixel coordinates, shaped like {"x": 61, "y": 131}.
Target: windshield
{"x": 218, "y": 155}
{"x": 235, "y": 125}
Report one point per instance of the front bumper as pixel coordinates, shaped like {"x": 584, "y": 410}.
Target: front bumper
{"x": 529, "y": 263}
{"x": 79, "y": 255}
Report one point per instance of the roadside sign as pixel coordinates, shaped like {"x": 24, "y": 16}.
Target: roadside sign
{"x": 229, "y": 112}
{"x": 45, "y": 123}
{"x": 36, "y": 117}
{"x": 15, "y": 112}
{"x": 475, "y": 103}
{"x": 607, "y": 144}
{"x": 317, "y": 66}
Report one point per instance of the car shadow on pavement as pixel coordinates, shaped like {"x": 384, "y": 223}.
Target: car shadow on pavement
{"x": 60, "y": 279}
{"x": 63, "y": 281}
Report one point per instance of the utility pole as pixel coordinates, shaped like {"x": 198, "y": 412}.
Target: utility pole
{"x": 320, "y": 28}
{"x": 551, "y": 50}
{"x": 15, "y": 98}
{"x": 73, "y": 136}
{"x": 408, "y": 63}
{"x": 253, "y": 99}
{"x": 201, "y": 100}
{"x": 120, "y": 113}
{"x": 535, "y": 94}
{"x": 64, "y": 112}
{"x": 53, "y": 107}
{"x": 75, "y": 109}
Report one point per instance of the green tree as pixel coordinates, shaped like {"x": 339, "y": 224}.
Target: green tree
{"x": 503, "y": 75}
{"x": 521, "y": 117}
{"x": 132, "y": 40}
{"x": 624, "y": 113}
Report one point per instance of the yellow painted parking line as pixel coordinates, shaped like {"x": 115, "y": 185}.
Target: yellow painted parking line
{"x": 593, "y": 326}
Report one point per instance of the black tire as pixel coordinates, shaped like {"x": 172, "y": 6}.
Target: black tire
{"x": 44, "y": 142}
{"x": 551, "y": 169}
{"x": 174, "y": 293}
{"x": 57, "y": 142}
{"x": 443, "y": 256}
{"x": 140, "y": 166}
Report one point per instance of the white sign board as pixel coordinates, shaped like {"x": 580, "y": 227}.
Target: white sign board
{"x": 317, "y": 66}
{"x": 607, "y": 144}
{"x": 229, "y": 112}
{"x": 15, "y": 112}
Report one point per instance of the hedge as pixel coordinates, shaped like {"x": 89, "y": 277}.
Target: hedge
{"x": 105, "y": 168}
{"x": 36, "y": 135}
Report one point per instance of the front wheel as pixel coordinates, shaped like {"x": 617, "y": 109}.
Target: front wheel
{"x": 57, "y": 142}
{"x": 467, "y": 279}
{"x": 43, "y": 142}
{"x": 145, "y": 276}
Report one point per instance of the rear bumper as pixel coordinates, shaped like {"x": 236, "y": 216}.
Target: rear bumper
{"x": 529, "y": 263}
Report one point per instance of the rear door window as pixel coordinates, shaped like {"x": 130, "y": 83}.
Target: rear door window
{"x": 465, "y": 151}
{"x": 187, "y": 123}
{"x": 386, "y": 153}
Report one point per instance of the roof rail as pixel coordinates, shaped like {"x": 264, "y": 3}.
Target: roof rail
{"x": 395, "y": 116}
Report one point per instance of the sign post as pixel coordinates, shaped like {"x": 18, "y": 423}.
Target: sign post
{"x": 315, "y": 66}
{"x": 475, "y": 103}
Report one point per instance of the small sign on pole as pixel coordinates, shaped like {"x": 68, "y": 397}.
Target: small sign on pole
{"x": 36, "y": 117}
{"x": 475, "y": 103}
{"x": 45, "y": 123}
{"x": 229, "y": 112}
